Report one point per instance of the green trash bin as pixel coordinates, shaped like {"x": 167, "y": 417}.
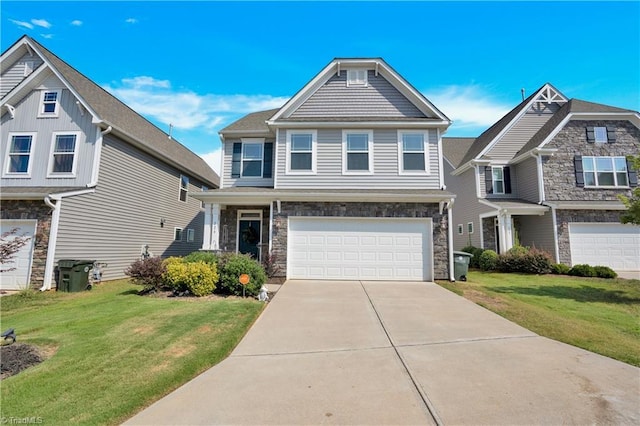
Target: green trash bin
{"x": 73, "y": 275}
{"x": 461, "y": 262}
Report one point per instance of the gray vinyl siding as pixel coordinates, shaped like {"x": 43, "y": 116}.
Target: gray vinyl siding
{"x": 378, "y": 99}
{"x": 69, "y": 119}
{"x": 134, "y": 193}
{"x": 228, "y": 181}
{"x": 527, "y": 180}
{"x": 518, "y": 135}
{"x": 466, "y": 207}
{"x": 15, "y": 73}
{"x": 385, "y": 164}
{"x": 536, "y": 231}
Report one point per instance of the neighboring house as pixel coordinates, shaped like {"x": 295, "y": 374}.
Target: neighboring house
{"x": 85, "y": 176}
{"x": 548, "y": 174}
{"x": 343, "y": 182}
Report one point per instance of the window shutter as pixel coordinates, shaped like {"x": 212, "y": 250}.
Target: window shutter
{"x": 611, "y": 134}
{"x": 506, "y": 175}
{"x": 577, "y": 162}
{"x": 236, "y": 160}
{"x": 632, "y": 173}
{"x": 488, "y": 179}
{"x": 591, "y": 135}
{"x": 267, "y": 169}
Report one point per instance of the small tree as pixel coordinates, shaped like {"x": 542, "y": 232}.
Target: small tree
{"x": 632, "y": 215}
{"x": 10, "y": 246}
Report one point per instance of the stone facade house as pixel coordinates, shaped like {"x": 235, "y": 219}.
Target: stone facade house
{"x": 344, "y": 181}
{"x": 84, "y": 176}
{"x": 548, "y": 174}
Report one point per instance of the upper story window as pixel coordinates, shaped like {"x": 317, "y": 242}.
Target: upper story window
{"x": 497, "y": 174}
{"x": 184, "y": 187}
{"x": 357, "y": 77}
{"x": 357, "y": 152}
{"x": 301, "y": 151}
{"x": 19, "y": 153}
{"x": 49, "y": 103}
{"x": 251, "y": 159}
{"x": 413, "y": 152}
{"x": 605, "y": 171}
{"x": 63, "y": 154}
{"x": 497, "y": 179}
{"x": 601, "y": 134}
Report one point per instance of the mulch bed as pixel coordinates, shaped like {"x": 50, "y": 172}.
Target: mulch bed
{"x": 17, "y": 357}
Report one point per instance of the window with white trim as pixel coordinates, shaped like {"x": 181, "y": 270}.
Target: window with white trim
{"x": 184, "y": 187}
{"x": 177, "y": 234}
{"x": 49, "y": 103}
{"x": 413, "y": 152}
{"x": 460, "y": 229}
{"x": 357, "y": 77}
{"x": 470, "y": 227}
{"x": 357, "y": 151}
{"x": 605, "y": 171}
{"x": 301, "y": 148}
{"x": 191, "y": 235}
{"x": 251, "y": 159}
{"x": 497, "y": 180}
{"x": 19, "y": 153}
{"x": 63, "y": 154}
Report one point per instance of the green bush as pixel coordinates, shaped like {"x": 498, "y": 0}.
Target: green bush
{"x": 474, "y": 262}
{"x": 560, "y": 269}
{"x": 605, "y": 272}
{"x": 525, "y": 260}
{"x": 232, "y": 265}
{"x": 147, "y": 273}
{"x": 201, "y": 256}
{"x": 582, "y": 270}
{"x": 488, "y": 260}
{"x": 199, "y": 278}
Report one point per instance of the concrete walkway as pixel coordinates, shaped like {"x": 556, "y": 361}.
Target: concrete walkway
{"x": 398, "y": 353}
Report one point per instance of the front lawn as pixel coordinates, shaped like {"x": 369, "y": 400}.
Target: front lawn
{"x": 600, "y": 315}
{"x": 113, "y": 352}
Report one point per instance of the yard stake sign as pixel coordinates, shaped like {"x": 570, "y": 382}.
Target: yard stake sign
{"x": 244, "y": 280}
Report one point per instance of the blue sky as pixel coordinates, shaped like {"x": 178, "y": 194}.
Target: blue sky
{"x": 202, "y": 65}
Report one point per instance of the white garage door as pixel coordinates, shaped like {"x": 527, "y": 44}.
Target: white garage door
{"x": 609, "y": 244}
{"x": 18, "y": 279}
{"x": 360, "y": 249}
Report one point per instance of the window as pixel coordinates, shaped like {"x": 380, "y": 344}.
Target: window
{"x": 301, "y": 151}
{"x": 177, "y": 234}
{"x": 191, "y": 235}
{"x": 49, "y": 103}
{"x": 19, "y": 151}
{"x": 600, "y": 134}
{"x": 251, "y": 159}
{"x": 357, "y": 77}
{"x": 470, "y": 227}
{"x": 413, "y": 152}
{"x": 184, "y": 187}
{"x": 497, "y": 180}
{"x": 63, "y": 154}
{"x": 357, "y": 152}
{"x": 460, "y": 229}
{"x": 605, "y": 171}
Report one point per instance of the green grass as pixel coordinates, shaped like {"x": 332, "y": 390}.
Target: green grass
{"x": 600, "y": 315}
{"x": 114, "y": 352}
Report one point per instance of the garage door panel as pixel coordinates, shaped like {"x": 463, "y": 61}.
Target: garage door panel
{"x": 18, "y": 278}
{"x": 608, "y": 244}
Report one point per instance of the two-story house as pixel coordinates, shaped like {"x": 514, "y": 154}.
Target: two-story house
{"x": 548, "y": 175}
{"x": 84, "y": 176}
{"x": 345, "y": 181}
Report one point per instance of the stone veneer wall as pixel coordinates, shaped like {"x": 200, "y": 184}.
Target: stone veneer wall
{"x": 38, "y": 210}
{"x": 489, "y": 233}
{"x": 229, "y": 219}
{"x": 564, "y": 217}
{"x": 386, "y": 210}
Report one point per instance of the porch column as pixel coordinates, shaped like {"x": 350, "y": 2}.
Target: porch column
{"x": 211, "y": 237}
{"x": 505, "y": 227}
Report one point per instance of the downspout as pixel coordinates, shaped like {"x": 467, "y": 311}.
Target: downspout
{"x": 538, "y": 158}
{"x": 53, "y": 237}
{"x": 452, "y": 276}
{"x": 96, "y": 155}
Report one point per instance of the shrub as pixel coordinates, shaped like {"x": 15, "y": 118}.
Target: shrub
{"x": 232, "y": 265}
{"x": 199, "y": 278}
{"x": 488, "y": 260}
{"x": 201, "y": 256}
{"x": 582, "y": 270}
{"x": 560, "y": 269}
{"x": 147, "y": 272}
{"x": 525, "y": 260}
{"x": 474, "y": 262}
{"x": 605, "y": 272}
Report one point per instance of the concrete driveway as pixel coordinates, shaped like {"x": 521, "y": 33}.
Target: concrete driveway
{"x": 398, "y": 353}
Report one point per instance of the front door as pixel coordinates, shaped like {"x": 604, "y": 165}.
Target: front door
{"x": 249, "y": 237}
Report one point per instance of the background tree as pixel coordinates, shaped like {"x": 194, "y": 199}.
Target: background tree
{"x": 632, "y": 215}
{"x": 10, "y": 244}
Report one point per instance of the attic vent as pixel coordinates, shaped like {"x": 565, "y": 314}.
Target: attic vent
{"x": 357, "y": 77}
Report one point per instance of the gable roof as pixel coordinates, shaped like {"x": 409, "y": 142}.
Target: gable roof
{"x": 454, "y": 149}
{"x": 251, "y": 124}
{"x": 125, "y": 122}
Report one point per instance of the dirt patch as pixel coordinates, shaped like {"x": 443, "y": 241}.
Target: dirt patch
{"x": 204, "y": 329}
{"x": 144, "y": 330}
{"x": 180, "y": 351}
{"x": 483, "y": 299}
{"x": 19, "y": 356}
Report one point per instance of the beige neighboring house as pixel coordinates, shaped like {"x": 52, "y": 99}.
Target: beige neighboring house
{"x": 85, "y": 176}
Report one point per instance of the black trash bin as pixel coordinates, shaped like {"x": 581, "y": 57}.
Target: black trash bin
{"x": 73, "y": 275}
{"x": 461, "y": 262}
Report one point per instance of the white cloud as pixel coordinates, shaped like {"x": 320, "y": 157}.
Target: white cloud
{"x": 468, "y": 106}
{"x": 22, "y": 24}
{"x": 76, "y": 22}
{"x": 47, "y": 36}
{"x": 214, "y": 159}
{"x": 186, "y": 109}
{"x": 131, "y": 21}
{"x": 41, "y": 23}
